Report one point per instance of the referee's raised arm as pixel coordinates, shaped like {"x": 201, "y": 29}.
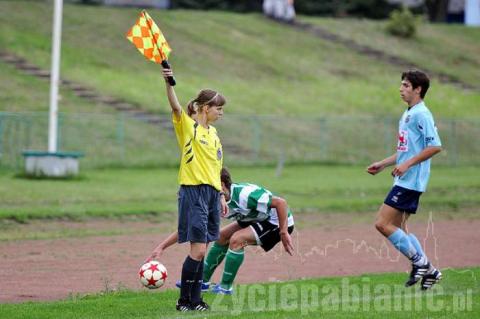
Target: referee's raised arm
{"x": 172, "y": 97}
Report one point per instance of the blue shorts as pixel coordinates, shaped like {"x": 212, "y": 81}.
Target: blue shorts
{"x": 198, "y": 214}
{"x": 403, "y": 199}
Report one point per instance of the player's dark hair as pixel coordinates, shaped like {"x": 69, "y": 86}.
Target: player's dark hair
{"x": 205, "y": 97}
{"x": 225, "y": 177}
{"x": 417, "y": 78}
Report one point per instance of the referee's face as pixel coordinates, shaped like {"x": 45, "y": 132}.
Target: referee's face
{"x": 214, "y": 113}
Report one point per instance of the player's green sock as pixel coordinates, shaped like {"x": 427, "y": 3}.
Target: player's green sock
{"x": 233, "y": 262}
{"x": 214, "y": 258}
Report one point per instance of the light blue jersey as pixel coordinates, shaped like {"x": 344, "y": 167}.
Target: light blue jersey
{"x": 416, "y": 132}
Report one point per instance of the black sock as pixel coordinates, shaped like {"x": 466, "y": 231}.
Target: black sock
{"x": 197, "y": 285}
{"x": 189, "y": 271}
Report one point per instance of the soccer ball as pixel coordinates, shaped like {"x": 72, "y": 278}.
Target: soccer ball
{"x": 153, "y": 274}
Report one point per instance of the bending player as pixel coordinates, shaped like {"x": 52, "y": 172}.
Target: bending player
{"x": 261, "y": 219}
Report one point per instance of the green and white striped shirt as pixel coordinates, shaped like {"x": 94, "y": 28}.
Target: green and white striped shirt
{"x": 250, "y": 202}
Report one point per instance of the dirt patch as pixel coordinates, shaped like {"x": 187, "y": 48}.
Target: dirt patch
{"x": 50, "y": 269}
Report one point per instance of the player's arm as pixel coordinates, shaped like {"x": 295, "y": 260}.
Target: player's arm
{"x": 377, "y": 167}
{"x": 223, "y": 205}
{"x": 158, "y": 251}
{"x": 172, "y": 97}
{"x": 424, "y": 155}
{"x": 281, "y": 206}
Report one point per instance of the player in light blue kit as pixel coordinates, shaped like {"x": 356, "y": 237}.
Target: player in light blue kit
{"x": 418, "y": 141}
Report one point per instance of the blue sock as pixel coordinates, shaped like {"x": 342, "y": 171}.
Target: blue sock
{"x": 416, "y": 244}
{"x": 401, "y": 242}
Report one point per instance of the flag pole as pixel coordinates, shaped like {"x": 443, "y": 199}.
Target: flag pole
{"x": 55, "y": 76}
{"x": 52, "y": 163}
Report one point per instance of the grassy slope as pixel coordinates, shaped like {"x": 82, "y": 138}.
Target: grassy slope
{"x": 367, "y": 296}
{"x": 307, "y": 188}
{"x": 447, "y": 48}
{"x": 24, "y": 93}
{"x": 262, "y": 67}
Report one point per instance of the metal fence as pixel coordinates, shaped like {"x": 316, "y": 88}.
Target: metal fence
{"x": 121, "y": 140}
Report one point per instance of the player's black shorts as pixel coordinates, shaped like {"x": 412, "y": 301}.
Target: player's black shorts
{"x": 198, "y": 214}
{"x": 403, "y": 199}
{"x": 266, "y": 233}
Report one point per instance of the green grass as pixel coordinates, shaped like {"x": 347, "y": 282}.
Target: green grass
{"x": 261, "y": 67}
{"x": 367, "y": 296}
{"x": 123, "y": 192}
{"x": 20, "y": 92}
{"x": 435, "y": 46}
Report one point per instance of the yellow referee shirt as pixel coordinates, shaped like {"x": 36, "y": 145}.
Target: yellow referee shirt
{"x": 202, "y": 156}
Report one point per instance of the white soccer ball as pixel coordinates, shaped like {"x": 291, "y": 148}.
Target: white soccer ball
{"x": 153, "y": 274}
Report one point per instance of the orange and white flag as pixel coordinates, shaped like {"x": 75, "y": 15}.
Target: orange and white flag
{"x": 149, "y": 39}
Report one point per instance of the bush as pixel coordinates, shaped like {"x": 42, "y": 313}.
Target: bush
{"x": 402, "y": 23}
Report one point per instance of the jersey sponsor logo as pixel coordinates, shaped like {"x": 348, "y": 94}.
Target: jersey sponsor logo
{"x": 429, "y": 139}
{"x": 402, "y": 141}
{"x": 204, "y": 142}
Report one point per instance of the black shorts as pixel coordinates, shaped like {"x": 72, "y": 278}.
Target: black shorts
{"x": 266, "y": 233}
{"x": 198, "y": 214}
{"x": 403, "y": 199}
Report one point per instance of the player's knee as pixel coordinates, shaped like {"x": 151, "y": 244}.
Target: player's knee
{"x": 197, "y": 252}
{"x": 236, "y": 243}
{"x": 380, "y": 226}
{"x": 198, "y": 255}
{"x": 223, "y": 239}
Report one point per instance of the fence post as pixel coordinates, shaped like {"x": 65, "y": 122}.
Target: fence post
{"x": 257, "y": 135}
{"x": 16, "y": 143}
{"x": 1, "y": 136}
{"x": 453, "y": 141}
{"x": 388, "y": 135}
{"x": 28, "y": 133}
{"x": 121, "y": 134}
{"x": 323, "y": 137}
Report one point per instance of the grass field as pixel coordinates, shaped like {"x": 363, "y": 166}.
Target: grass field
{"x": 367, "y": 296}
{"x": 121, "y": 192}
